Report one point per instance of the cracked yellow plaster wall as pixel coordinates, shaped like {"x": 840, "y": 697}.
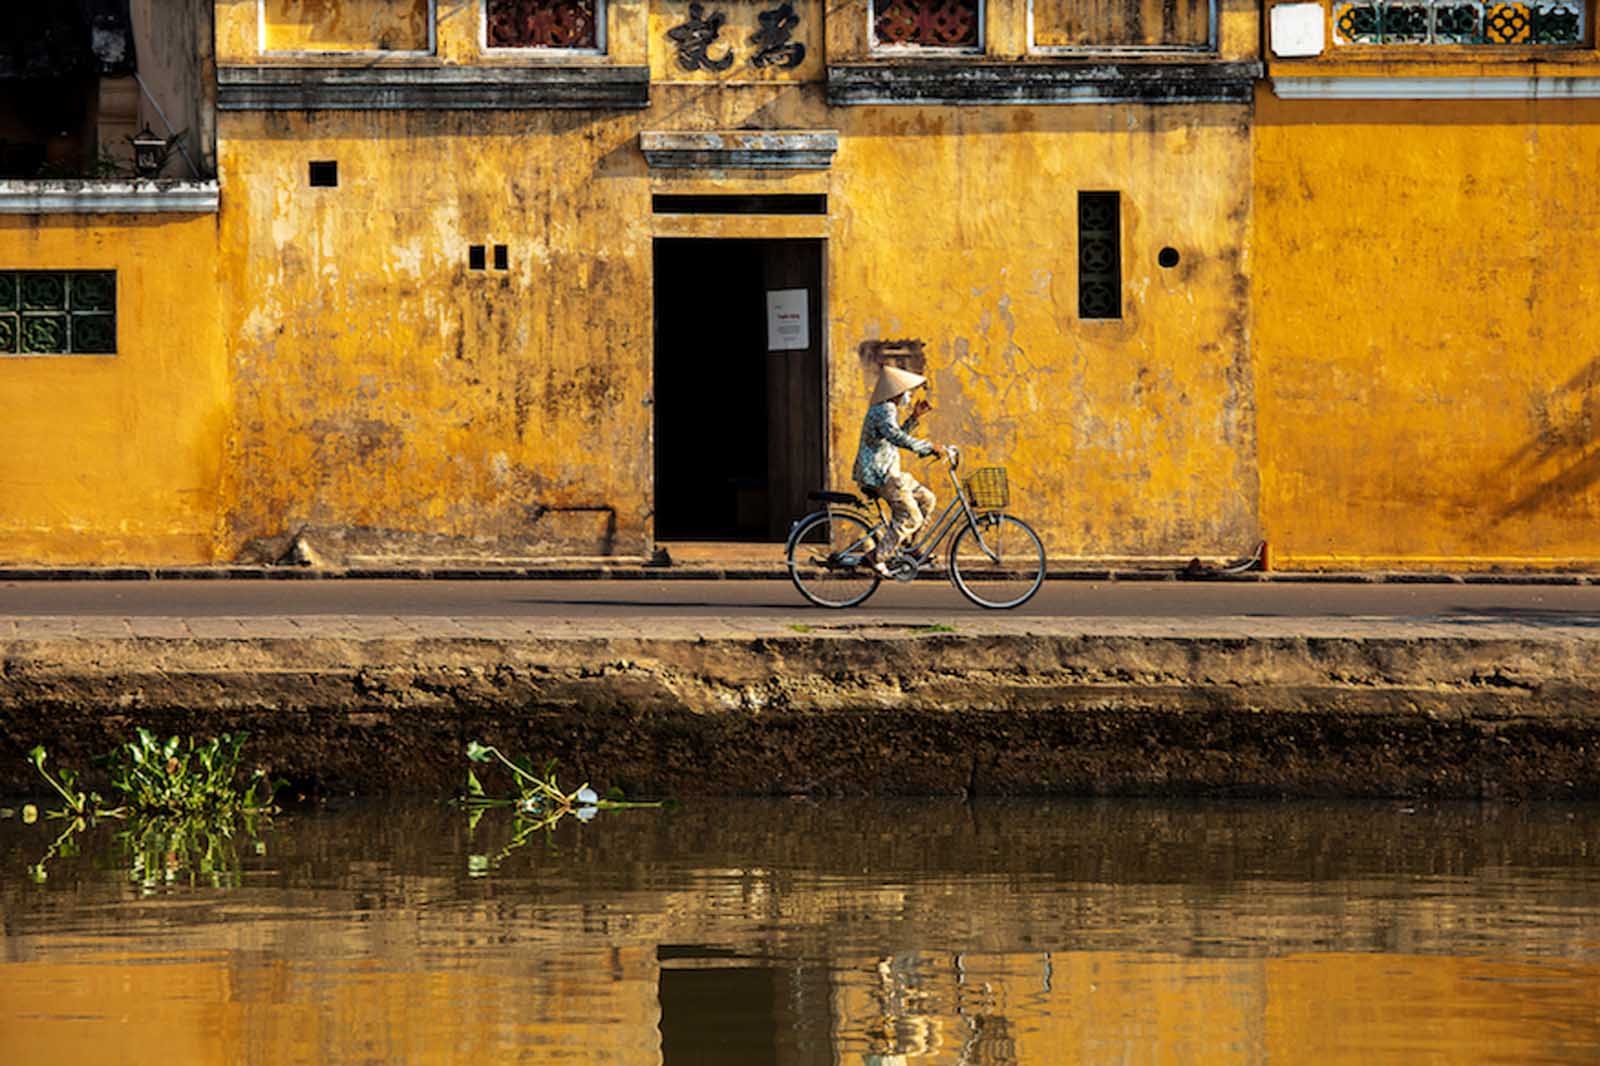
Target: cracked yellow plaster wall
{"x": 1130, "y": 437}
{"x": 118, "y": 459}
{"x": 1428, "y": 370}
{"x": 383, "y": 385}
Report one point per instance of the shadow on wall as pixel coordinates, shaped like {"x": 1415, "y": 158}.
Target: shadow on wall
{"x": 550, "y": 532}
{"x": 1568, "y": 438}
{"x": 906, "y": 354}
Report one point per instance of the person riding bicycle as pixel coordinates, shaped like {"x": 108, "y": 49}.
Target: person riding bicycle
{"x": 877, "y": 468}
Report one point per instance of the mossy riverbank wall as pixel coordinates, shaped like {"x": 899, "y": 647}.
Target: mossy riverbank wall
{"x": 387, "y": 707}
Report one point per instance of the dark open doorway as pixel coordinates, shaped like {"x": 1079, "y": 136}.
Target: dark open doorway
{"x": 738, "y": 386}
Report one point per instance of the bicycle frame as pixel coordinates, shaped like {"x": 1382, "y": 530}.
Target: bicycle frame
{"x": 928, "y": 542}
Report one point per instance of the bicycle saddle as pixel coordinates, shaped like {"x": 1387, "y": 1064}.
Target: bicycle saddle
{"x": 835, "y": 497}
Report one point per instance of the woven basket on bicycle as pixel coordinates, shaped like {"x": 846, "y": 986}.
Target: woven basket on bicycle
{"x": 987, "y": 489}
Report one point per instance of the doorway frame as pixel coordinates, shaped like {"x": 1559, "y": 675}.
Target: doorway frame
{"x": 811, "y": 228}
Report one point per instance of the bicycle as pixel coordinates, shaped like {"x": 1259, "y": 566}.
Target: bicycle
{"x": 996, "y": 560}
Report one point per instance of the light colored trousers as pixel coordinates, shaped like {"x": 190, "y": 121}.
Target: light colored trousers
{"x": 910, "y": 503}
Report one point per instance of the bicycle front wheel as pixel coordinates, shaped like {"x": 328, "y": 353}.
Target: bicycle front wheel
{"x": 999, "y": 562}
{"x": 825, "y": 560}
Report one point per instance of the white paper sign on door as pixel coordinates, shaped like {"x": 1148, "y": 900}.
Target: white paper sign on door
{"x": 788, "y": 326}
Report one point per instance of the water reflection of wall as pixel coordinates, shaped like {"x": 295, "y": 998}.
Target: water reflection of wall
{"x": 1084, "y": 934}
{"x": 227, "y": 1006}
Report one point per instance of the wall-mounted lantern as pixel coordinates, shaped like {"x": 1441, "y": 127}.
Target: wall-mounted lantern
{"x": 150, "y": 152}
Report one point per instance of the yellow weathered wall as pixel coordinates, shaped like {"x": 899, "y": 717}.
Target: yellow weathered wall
{"x": 381, "y": 383}
{"x": 384, "y": 387}
{"x": 1122, "y": 437}
{"x": 1427, "y": 366}
{"x": 114, "y": 459}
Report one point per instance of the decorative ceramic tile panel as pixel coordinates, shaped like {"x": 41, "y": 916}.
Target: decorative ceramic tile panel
{"x": 58, "y": 312}
{"x": 1452, "y": 22}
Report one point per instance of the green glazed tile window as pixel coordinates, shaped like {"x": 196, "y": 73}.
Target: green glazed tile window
{"x": 1488, "y": 23}
{"x": 58, "y": 312}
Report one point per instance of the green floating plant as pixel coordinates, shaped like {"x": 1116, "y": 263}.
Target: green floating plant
{"x": 537, "y": 800}
{"x": 181, "y": 798}
{"x": 189, "y": 777}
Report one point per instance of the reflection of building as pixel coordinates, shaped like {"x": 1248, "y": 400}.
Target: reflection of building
{"x": 493, "y": 275}
{"x": 1084, "y": 933}
{"x": 720, "y": 1007}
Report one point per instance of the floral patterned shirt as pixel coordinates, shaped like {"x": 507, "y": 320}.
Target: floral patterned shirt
{"x": 882, "y": 437}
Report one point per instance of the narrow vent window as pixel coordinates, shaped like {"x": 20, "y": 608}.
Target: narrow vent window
{"x": 771, "y": 204}
{"x": 1099, "y": 255}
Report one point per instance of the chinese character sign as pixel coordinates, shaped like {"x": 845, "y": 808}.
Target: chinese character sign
{"x": 737, "y": 40}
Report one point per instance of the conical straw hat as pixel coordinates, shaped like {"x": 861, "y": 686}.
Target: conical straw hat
{"x": 894, "y": 381}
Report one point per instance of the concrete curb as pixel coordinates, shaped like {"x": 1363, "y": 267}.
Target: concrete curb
{"x": 774, "y": 572}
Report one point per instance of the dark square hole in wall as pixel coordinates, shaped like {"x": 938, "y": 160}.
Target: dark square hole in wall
{"x": 324, "y": 174}
{"x": 502, "y": 257}
{"x": 475, "y": 260}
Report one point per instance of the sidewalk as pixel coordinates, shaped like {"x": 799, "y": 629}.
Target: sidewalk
{"x": 748, "y": 570}
{"x": 855, "y": 625}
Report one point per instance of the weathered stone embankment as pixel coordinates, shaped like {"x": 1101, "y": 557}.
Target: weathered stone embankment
{"x": 1006, "y": 708}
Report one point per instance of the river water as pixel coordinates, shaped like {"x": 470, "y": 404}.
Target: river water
{"x": 789, "y": 932}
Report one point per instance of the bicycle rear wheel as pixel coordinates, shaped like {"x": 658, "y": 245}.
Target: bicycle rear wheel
{"x": 1008, "y": 573}
{"x": 825, "y": 554}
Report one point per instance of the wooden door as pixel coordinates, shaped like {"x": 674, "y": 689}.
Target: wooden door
{"x": 794, "y": 381}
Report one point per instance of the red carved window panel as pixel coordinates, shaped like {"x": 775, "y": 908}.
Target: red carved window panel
{"x": 543, "y": 23}
{"x": 927, "y": 23}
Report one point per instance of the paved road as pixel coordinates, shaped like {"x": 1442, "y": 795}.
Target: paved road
{"x": 925, "y": 602}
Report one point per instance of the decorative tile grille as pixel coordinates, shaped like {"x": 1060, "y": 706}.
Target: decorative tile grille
{"x": 543, "y": 23}
{"x": 58, "y": 312}
{"x": 1099, "y": 255}
{"x": 1454, "y": 22}
{"x": 927, "y": 23}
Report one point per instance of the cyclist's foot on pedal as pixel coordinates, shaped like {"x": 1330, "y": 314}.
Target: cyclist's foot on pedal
{"x": 877, "y": 566}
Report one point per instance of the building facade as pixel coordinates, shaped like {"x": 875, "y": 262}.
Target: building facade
{"x": 450, "y": 278}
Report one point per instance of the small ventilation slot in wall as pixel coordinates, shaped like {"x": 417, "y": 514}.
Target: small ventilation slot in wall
{"x": 772, "y": 204}
{"x": 502, "y": 257}
{"x": 324, "y": 174}
{"x": 475, "y": 257}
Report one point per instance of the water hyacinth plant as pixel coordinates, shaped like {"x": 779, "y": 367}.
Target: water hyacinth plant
{"x": 189, "y": 777}
{"x": 537, "y": 801}
{"x": 537, "y": 797}
{"x": 181, "y": 798}
{"x": 171, "y": 777}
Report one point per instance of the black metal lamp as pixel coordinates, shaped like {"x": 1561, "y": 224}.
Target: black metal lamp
{"x": 149, "y": 153}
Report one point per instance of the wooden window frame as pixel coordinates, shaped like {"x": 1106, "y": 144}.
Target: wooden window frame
{"x": 1213, "y": 24}
{"x": 602, "y": 13}
{"x": 876, "y": 48}
{"x": 429, "y": 52}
